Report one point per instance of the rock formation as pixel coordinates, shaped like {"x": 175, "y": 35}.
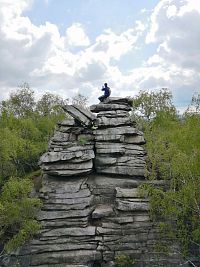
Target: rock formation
{"x": 117, "y": 142}
{"x": 89, "y": 219}
{"x": 71, "y": 149}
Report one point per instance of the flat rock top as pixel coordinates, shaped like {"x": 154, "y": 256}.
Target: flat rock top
{"x": 110, "y": 106}
{"x": 119, "y": 100}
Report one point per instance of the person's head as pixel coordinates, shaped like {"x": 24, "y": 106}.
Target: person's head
{"x": 105, "y": 84}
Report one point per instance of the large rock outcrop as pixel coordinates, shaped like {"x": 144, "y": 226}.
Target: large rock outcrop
{"x": 117, "y": 141}
{"x": 89, "y": 219}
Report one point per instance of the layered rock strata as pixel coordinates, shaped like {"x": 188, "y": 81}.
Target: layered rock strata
{"x": 89, "y": 220}
{"x": 71, "y": 149}
{"x": 117, "y": 141}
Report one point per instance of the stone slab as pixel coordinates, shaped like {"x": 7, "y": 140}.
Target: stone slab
{"x": 76, "y": 114}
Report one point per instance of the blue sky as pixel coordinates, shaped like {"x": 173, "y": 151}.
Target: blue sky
{"x": 97, "y": 15}
{"x": 74, "y": 46}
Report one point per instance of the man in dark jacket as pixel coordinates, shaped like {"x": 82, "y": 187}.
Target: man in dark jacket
{"x": 107, "y": 92}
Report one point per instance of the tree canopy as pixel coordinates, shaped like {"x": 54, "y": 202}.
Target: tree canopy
{"x": 173, "y": 155}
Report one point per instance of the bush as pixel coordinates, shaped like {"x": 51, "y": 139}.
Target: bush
{"x": 17, "y": 213}
{"x": 124, "y": 261}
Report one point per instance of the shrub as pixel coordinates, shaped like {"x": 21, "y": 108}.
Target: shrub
{"x": 17, "y": 213}
{"x": 124, "y": 261}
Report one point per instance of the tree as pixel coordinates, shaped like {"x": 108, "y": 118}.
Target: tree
{"x": 194, "y": 107}
{"x": 17, "y": 213}
{"x": 21, "y": 102}
{"x": 50, "y": 104}
{"x": 148, "y": 104}
{"x": 80, "y": 100}
{"x": 173, "y": 149}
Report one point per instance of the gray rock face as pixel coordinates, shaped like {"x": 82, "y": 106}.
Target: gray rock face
{"x": 117, "y": 141}
{"x": 83, "y": 116}
{"x": 108, "y": 107}
{"x": 90, "y": 219}
{"x": 71, "y": 150}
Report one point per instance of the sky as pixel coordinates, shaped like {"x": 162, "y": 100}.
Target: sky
{"x": 68, "y": 47}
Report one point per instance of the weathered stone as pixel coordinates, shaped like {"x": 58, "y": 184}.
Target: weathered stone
{"x": 67, "y": 122}
{"x": 128, "y": 161}
{"x": 67, "y": 173}
{"x": 120, "y": 100}
{"x": 104, "y": 107}
{"x": 102, "y": 161}
{"x": 135, "y": 139}
{"x": 86, "y": 112}
{"x": 109, "y": 148}
{"x": 41, "y": 248}
{"x": 52, "y": 215}
{"x": 126, "y": 192}
{"x": 75, "y": 113}
{"x": 68, "y": 166}
{"x": 126, "y": 130}
{"x": 102, "y": 211}
{"x": 87, "y": 231}
{"x": 106, "y": 181}
{"x": 110, "y": 137}
{"x": 71, "y": 129}
{"x": 107, "y": 122}
{"x": 60, "y": 137}
{"x": 69, "y": 257}
{"x": 123, "y": 220}
{"x": 89, "y": 219}
{"x": 131, "y": 206}
{"x": 51, "y": 156}
{"x": 113, "y": 114}
{"x": 123, "y": 170}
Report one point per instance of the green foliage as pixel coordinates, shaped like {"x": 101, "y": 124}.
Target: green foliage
{"x": 148, "y": 104}
{"x": 82, "y": 140}
{"x": 124, "y": 261}
{"x": 173, "y": 149}
{"x": 17, "y": 213}
{"x": 21, "y": 103}
{"x": 25, "y": 128}
{"x": 50, "y": 104}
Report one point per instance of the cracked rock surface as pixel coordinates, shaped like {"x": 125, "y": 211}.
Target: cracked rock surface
{"x": 93, "y": 210}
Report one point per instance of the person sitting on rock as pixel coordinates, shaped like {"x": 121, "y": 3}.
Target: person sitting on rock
{"x": 107, "y": 92}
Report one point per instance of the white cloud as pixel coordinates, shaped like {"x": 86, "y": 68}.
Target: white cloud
{"x": 171, "y": 11}
{"x": 70, "y": 63}
{"x": 174, "y": 25}
{"x": 76, "y": 36}
{"x": 174, "y": 28}
{"x": 117, "y": 45}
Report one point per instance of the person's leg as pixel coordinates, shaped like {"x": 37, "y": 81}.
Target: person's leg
{"x": 101, "y": 98}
